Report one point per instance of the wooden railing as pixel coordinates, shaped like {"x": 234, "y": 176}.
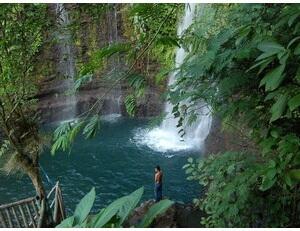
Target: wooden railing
{"x": 26, "y": 213}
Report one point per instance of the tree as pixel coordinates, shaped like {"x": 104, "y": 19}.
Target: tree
{"x": 21, "y": 37}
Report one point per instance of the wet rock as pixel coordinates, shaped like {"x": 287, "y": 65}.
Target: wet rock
{"x": 220, "y": 140}
{"x": 53, "y": 105}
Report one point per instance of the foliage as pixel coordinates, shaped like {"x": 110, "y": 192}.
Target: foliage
{"x": 143, "y": 19}
{"x": 115, "y": 214}
{"x": 21, "y": 36}
{"x": 65, "y": 133}
{"x": 249, "y": 53}
{"x": 233, "y": 197}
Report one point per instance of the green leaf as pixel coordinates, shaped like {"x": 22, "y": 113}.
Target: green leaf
{"x": 292, "y": 41}
{"x": 263, "y": 64}
{"x": 288, "y": 180}
{"x": 84, "y": 207}
{"x": 271, "y": 173}
{"x": 132, "y": 201}
{"x": 92, "y": 127}
{"x": 267, "y": 183}
{"x": 297, "y": 50}
{"x": 293, "y": 18}
{"x": 278, "y": 108}
{"x": 190, "y": 160}
{"x": 120, "y": 208}
{"x": 283, "y": 57}
{"x": 75, "y": 130}
{"x": 61, "y": 143}
{"x": 294, "y": 174}
{"x": 265, "y": 55}
{"x": 61, "y": 130}
{"x": 273, "y": 79}
{"x": 294, "y": 102}
{"x": 168, "y": 41}
{"x": 66, "y": 223}
{"x": 270, "y": 47}
{"x": 105, "y": 215}
{"x": 83, "y": 80}
{"x": 154, "y": 211}
{"x": 274, "y": 133}
{"x": 130, "y": 104}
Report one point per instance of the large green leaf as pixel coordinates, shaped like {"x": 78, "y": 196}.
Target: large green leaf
{"x": 105, "y": 215}
{"x": 293, "y": 18}
{"x": 297, "y": 50}
{"x": 278, "y": 108}
{"x": 132, "y": 201}
{"x": 262, "y": 63}
{"x": 84, "y": 207}
{"x": 154, "y": 211}
{"x": 294, "y": 102}
{"x": 265, "y": 55}
{"x": 66, "y": 223}
{"x": 293, "y": 41}
{"x": 118, "y": 210}
{"x": 273, "y": 79}
{"x": 270, "y": 47}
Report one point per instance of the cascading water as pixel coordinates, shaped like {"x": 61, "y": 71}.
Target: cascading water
{"x": 66, "y": 65}
{"x": 165, "y": 137}
{"x": 113, "y": 109}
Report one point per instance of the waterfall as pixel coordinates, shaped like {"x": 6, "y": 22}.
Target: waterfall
{"x": 66, "y": 65}
{"x": 113, "y": 109}
{"x": 165, "y": 137}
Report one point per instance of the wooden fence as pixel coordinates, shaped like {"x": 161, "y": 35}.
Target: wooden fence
{"x": 26, "y": 213}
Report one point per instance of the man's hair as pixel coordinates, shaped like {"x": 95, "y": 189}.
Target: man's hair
{"x": 157, "y": 167}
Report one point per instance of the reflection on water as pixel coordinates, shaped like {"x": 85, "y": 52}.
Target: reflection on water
{"x": 112, "y": 163}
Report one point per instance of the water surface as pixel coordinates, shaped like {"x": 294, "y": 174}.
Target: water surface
{"x": 114, "y": 162}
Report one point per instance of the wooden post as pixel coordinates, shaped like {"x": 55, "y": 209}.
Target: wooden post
{"x": 35, "y": 209}
{"x": 56, "y": 205}
{"x": 23, "y": 216}
{"x": 8, "y": 217}
{"x": 2, "y": 221}
{"x": 30, "y": 215}
{"x": 62, "y": 205}
{"x": 16, "y": 217}
{"x": 42, "y": 213}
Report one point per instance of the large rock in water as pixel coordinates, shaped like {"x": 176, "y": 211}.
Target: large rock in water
{"x": 179, "y": 215}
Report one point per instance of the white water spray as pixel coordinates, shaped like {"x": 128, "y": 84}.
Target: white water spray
{"x": 165, "y": 137}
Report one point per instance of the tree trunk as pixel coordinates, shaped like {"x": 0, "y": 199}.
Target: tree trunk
{"x": 35, "y": 176}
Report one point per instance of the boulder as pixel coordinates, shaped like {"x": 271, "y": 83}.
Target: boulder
{"x": 179, "y": 215}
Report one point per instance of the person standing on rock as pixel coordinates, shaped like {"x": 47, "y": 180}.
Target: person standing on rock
{"x": 158, "y": 183}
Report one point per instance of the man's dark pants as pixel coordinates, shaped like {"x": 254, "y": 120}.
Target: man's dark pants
{"x": 158, "y": 192}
